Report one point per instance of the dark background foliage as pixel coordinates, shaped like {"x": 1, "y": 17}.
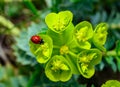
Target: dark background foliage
{"x": 20, "y": 19}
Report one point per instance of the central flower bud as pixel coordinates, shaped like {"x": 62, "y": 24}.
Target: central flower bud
{"x": 64, "y": 50}
{"x": 85, "y": 60}
{"x": 43, "y": 49}
{"x": 81, "y": 34}
{"x": 58, "y": 65}
{"x": 60, "y": 25}
{"x": 84, "y": 67}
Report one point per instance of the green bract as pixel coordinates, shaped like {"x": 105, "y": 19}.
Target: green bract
{"x": 42, "y": 51}
{"x": 87, "y": 60}
{"x": 59, "y": 22}
{"x": 83, "y": 32}
{"x": 100, "y": 35}
{"x": 111, "y": 83}
{"x": 62, "y": 38}
{"x": 58, "y": 69}
{"x": 63, "y": 32}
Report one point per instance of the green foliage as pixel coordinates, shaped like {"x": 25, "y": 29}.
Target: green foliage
{"x": 8, "y": 78}
{"x": 113, "y": 56}
{"x": 111, "y": 63}
{"x": 114, "y": 22}
{"x": 30, "y": 5}
{"x": 118, "y": 48}
{"x": 111, "y": 83}
{"x": 9, "y": 27}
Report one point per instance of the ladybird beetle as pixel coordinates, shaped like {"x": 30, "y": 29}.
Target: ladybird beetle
{"x": 37, "y": 39}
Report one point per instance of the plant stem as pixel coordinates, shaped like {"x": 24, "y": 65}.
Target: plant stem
{"x": 73, "y": 62}
{"x": 73, "y": 54}
{"x": 33, "y": 78}
{"x": 31, "y": 6}
{"x": 111, "y": 53}
{"x": 54, "y": 46}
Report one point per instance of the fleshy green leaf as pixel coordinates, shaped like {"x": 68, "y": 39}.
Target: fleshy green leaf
{"x": 58, "y": 69}
{"x": 87, "y": 60}
{"x": 59, "y": 22}
{"x": 83, "y": 32}
{"x": 118, "y": 48}
{"x": 118, "y": 62}
{"x": 42, "y": 51}
{"x": 100, "y": 35}
{"x": 112, "y": 64}
{"x": 111, "y": 83}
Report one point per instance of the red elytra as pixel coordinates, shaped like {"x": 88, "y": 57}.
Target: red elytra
{"x": 36, "y": 39}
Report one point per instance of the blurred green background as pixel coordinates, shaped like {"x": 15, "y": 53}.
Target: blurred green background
{"x": 20, "y": 19}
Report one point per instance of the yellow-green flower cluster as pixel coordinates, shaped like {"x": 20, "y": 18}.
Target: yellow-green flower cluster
{"x": 69, "y": 50}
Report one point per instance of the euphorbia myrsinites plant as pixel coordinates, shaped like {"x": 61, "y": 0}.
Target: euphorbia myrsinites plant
{"x": 67, "y": 50}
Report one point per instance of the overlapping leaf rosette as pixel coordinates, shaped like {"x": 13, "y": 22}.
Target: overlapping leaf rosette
{"x": 68, "y": 50}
